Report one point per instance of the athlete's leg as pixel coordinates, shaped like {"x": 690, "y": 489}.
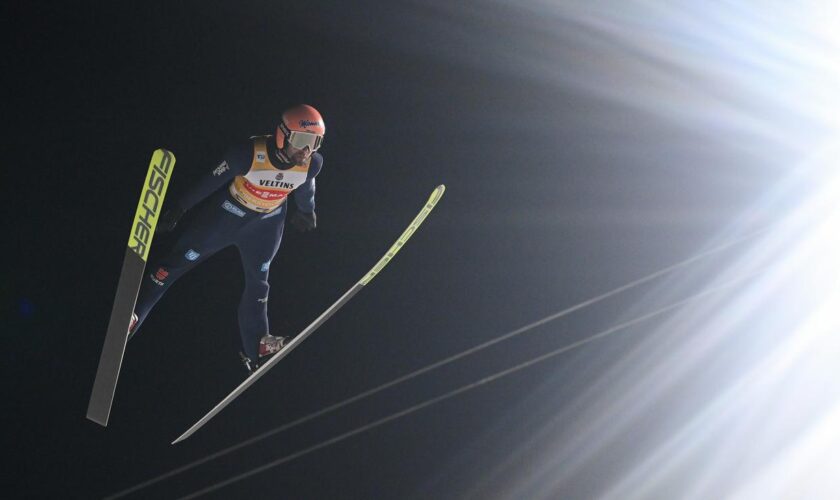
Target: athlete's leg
{"x": 257, "y": 243}
{"x": 212, "y": 229}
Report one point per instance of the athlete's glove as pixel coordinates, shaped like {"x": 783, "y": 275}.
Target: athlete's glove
{"x": 303, "y": 221}
{"x": 170, "y": 219}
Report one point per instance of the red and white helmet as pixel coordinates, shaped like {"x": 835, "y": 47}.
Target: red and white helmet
{"x": 301, "y": 126}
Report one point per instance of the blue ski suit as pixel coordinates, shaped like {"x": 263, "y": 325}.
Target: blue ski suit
{"x": 242, "y": 202}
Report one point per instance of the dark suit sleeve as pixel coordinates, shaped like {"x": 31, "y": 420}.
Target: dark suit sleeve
{"x": 236, "y": 161}
{"x": 305, "y": 193}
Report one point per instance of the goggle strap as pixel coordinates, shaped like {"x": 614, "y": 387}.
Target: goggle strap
{"x": 284, "y": 129}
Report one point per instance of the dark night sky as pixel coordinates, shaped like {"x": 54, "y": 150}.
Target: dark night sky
{"x": 542, "y": 179}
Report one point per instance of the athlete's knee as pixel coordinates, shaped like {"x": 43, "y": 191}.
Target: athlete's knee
{"x": 261, "y": 289}
{"x": 256, "y": 291}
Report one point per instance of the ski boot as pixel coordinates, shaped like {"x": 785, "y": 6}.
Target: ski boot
{"x": 270, "y": 344}
{"x": 132, "y": 325}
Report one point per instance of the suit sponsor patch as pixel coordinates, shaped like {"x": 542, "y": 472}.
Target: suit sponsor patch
{"x": 221, "y": 168}
{"x": 230, "y": 207}
{"x": 159, "y": 276}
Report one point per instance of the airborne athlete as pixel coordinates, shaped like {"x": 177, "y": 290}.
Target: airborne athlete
{"x": 243, "y": 202}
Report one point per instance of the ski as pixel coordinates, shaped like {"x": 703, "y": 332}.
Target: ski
{"x": 139, "y": 241}
{"x": 401, "y": 241}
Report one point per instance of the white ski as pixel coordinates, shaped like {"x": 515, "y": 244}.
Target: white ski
{"x": 433, "y": 199}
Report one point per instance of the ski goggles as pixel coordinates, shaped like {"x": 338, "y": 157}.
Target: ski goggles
{"x": 301, "y": 140}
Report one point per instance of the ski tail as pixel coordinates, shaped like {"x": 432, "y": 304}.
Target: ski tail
{"x": 401, "y": 241}
{"x": 139, "y": 241}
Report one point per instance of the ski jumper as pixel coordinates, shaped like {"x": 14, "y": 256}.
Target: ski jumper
{"x": 241, "y": 202}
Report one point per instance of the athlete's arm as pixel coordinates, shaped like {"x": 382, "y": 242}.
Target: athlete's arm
{"x": 235, "y": 162}
{"x": 305, "y": 193}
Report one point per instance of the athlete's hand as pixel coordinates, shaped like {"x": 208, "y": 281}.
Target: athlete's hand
{"x": 303, "y": 221}
{"x": 170, "y": 219}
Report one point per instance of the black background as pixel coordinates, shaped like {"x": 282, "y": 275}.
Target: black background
{"x": 553, "y": 195}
